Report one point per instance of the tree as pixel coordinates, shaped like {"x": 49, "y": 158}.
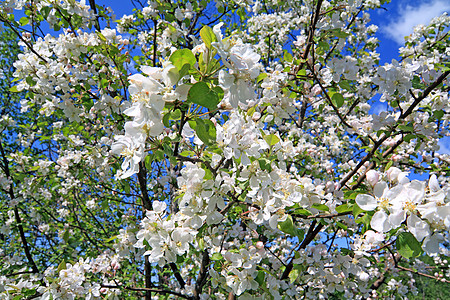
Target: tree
{"x": 219, "y": 150}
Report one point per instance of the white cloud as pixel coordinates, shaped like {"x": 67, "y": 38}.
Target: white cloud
{"x": 412, "y": 15}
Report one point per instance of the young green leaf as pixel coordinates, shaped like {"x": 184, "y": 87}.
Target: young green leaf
{"x": 201, "y": 94}
{"x": 271, "y": 139}
{"x": 407, "y": 245}
{"x": 181, "y": 57}
{"x": 337, "y": 99}
{"x": 208, "y": 36}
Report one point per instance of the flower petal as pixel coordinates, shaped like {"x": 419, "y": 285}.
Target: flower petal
{"x": 379, "y": 222}
{"x": 366, "y": 202}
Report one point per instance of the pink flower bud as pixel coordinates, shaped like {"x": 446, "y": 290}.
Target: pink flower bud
{"x": 259, "y": 245}
{"x": 372, "y": 177}
{"x": 393, "y": 173}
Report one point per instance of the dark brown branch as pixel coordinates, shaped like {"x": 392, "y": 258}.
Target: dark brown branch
{"x": 94, "y": 9}
{"x": 142, "y": 178}
{"x": 427, "y": 91}
{"x": 372, "y": 164}
{"x": 381, "y": 248}
{"x": 376, "y": 285}
{"x": 155, "y": 48}
{"x": 196, "y": 160}
{"x": 324, "y": 216}
{"x": 177, "y": 274}
{"x": 155, "y": 290}
{"x": 26, "y": 246}
{"x": 202, "y": 276}
{"x": 29, "y": 46}
{"x": 312, "y": 232}
{"x": 315, "y": 19}
{"x": 422, "y": 274}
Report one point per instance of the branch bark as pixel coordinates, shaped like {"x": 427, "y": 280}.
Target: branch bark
{"x": 26, "y": 246}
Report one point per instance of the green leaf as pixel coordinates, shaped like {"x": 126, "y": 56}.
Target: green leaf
{"x": 271, "y": 139}
{"x": 321, "y": 207}
{"x": 301, "y": 72}
{"x": 201, "y": 63}
{"x": 208, "y": 36}
{"x": 14, "y": 89}
{"x": 339, "y": 33}
{"x": 287, "y": 226}
{"x": 341, "y": 225}
{"x": 406, "y": 128}
{"x": 29, "y": 293}
{"x": 364, "y": 220}
{"x": 388, "y": 165}
{"x": 23, "y": 21}
{"x": 216, "y": 256}
{"x": 201, "y": 94}
{"x": 337, "y": 99}
{"x": 264, "y": 164}
{"x": 357, "y": 210}
{"x": 409, "y": 137}
{"x": 288, "y": 56}
{"x": 111, "y": 239}
{"x": 302, "y": 211}
{"x": 181, "y": 57}
{"x": 438, "y": 114}
{"x": 201, "y": 244}
{"x": 344, "y": 208}
{"x": 219, "y": 91}
{"x": 184, "y": 70}
{"x": 260, "y": 278}
{"x": 407, "y": 245}
{"x": 30, "y": 81}
{"x": 205, "y": 130}
{"x": 66, "y": 236}
{"x": 293, "y": 275}
{"x": 165, "y": 119}
{"x": 417, "y": 83}
{"x": 261, "y": 77}
{"x": 61, "y": 266}
{"x": 345, "y": 85}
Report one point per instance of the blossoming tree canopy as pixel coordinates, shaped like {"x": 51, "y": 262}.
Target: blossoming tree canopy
{"x": 219, "y": 150}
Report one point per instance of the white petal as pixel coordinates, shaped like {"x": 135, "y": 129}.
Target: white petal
{"x": 419, "y": 228}
{"x": 431, "y": 244}
{"x": 379, "y": 222}
{"x": 379, "y": 189}
{"x": 416, "y": 191}
{"x": 154, "y": 72}
{"x": 366, "y": 202}
{"x": 159, "y": 206}
{"x": 433, "y": 184}
{"x": 397, "y": 217}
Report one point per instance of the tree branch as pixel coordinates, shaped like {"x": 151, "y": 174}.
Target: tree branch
{"x": 202, "y": 276}
{"x": 26, "y": 246}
